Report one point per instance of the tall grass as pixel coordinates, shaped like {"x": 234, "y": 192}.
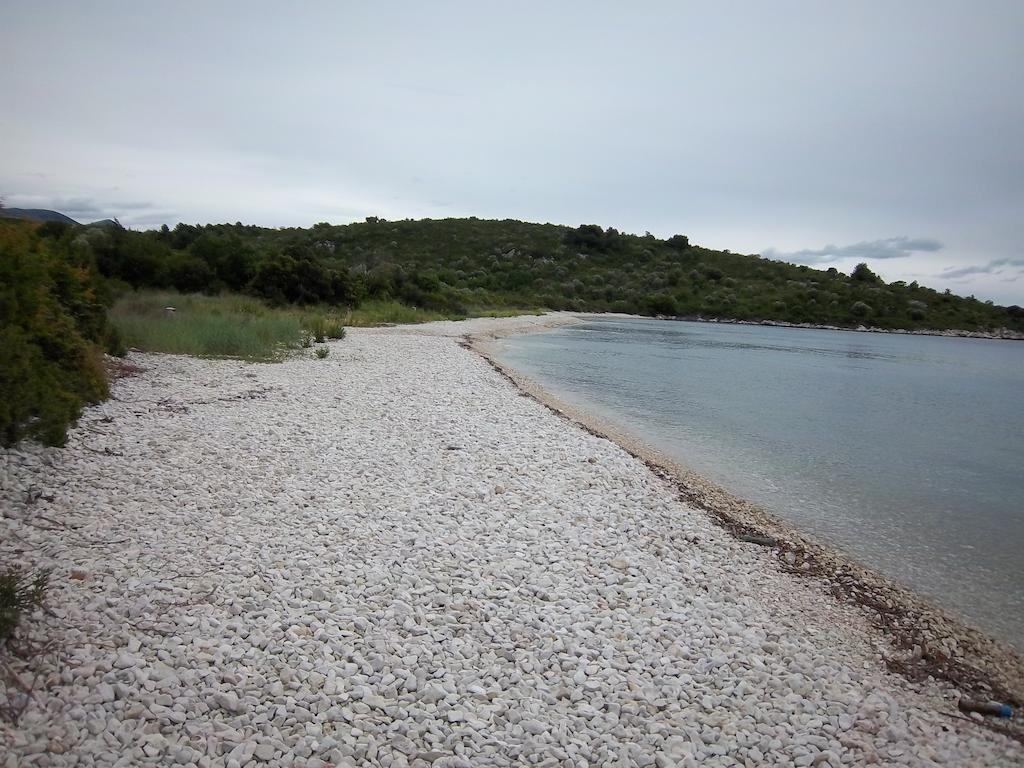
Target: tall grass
{"x": 505, "y": 311}
{"x": 380, "y": 312}
{"x": 231, "y": 325}
{"x": 207, "y": 326}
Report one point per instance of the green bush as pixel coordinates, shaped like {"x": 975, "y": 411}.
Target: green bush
{"x": 52, "y": 326}
{"x": 662, "y": 304}
{"x": 860, "y": 309}
{"x": 317, "y": 326}
{"x": 323, "y": 327}
{"x": 322, "y": 352}
{"x": 862, "y": 273}
{"x": 335, "y": 329}
{"x": 21, "y": 592}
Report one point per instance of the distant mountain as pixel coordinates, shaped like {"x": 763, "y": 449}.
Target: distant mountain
{"x": 35, "y": 214}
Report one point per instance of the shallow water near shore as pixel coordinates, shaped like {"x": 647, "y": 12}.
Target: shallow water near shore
{"x": 905, "y": 451}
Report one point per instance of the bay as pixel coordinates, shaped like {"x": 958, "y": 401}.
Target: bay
{"x": 905, "y": 451}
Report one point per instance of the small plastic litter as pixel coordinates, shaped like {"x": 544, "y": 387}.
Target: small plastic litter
{"x": 994, "y": 708}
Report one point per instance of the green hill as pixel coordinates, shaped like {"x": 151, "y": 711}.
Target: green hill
{"x": 463, "y": 266}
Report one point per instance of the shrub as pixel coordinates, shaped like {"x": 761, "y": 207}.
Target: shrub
{"x": 661, "y": 304}
{"x": 322, "y": 352}
{"x": 51, "y": 323}
{"x": 189, "y": 274}
{"x": 323, "y": 327}
{"x": 860, "y": 309}
{"x": 21, "y": 591}
{"x": 864, "y": 274}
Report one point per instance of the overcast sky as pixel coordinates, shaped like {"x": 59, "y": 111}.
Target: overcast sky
{"x": 820, "y": 132}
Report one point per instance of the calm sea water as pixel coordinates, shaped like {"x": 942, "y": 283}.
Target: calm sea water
{"x": 905, "y": 451}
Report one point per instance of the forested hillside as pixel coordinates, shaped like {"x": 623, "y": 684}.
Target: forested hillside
{"x": 460, "y": 266}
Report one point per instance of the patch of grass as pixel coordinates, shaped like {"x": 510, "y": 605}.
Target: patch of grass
{"x": 504, "y": 311}
{"x": 236, "y": 326}
{"x": 382, "y": 312}
{"x": 323, "y": 325}
{"x": 206, "y": 326}
{"x": 335, "y": 329}
{"x": 322, "y": 352}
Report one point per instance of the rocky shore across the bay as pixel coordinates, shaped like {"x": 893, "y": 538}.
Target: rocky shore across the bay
{"x": 1003, "y": 334}
{"x": 391, "y": 557}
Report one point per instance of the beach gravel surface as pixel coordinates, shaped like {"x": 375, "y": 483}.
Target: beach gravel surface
{"x": 389, "y": 557}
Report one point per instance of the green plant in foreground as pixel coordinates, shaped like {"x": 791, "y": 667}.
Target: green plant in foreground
{"x": 334, "y": 329}
{"x": 21, "y": 592}
{"x": 323, "y": 327}
{"x": 322, "y": 352}
{"x": 52, "y": 330}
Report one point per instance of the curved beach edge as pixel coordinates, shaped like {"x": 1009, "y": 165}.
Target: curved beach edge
{"x": 927, "y": 639}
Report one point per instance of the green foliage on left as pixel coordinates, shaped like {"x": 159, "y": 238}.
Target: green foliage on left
{"x": 53, "y": 329}
{"x": 21, "y": 592}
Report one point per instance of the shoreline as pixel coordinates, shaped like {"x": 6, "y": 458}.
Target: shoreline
{"x": 1000, "y": 334}
{"x": 929, "y": 640}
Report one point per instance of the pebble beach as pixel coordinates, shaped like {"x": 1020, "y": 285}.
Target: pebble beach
{"x": 391, "y": 557}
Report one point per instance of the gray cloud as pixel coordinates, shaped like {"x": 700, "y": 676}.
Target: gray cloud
{"x": 868, "y": 250}
{"x": 130, "y": 206}
{"x": 1010, "y": 269}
